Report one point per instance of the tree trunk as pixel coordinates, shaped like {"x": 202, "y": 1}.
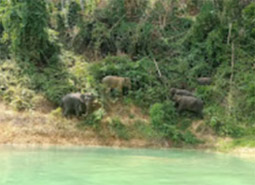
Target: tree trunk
{"x": 82, "y": 5}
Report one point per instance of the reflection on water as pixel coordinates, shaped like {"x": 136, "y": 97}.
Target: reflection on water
{"x": 108, "y": 166}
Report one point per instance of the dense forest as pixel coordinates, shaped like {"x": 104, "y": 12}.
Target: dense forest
{"x": 49, "y": 48}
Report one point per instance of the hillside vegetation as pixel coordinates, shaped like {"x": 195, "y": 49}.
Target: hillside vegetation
{"x": 51, "y": 48}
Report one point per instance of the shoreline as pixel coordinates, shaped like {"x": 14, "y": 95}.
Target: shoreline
{"x": 28, "y": 129}
{"x": 240, "y": 152}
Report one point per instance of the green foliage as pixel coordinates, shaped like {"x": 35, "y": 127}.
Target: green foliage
{"x": 204, "y": 42}
{"x": 146, "y": 87}
{"x": 111, "y": 32}
{"x": 189, "y": 138}
{"x": 163, "y": 115}
{"x": 95, "y": 118}
{"x": 248, "y": 141}
{"x": 13, "y": 87}
{"x": 48, "y": 82}
{"x": 164, "y": 120}
{"x": 129, "y": 38}
{"x": 112, "y": 13}
{"x": 1, "y": 29}
{"x": 73, "y": 15}
{"x": 224, "y": 125}
{"x": 57, "y": 112}
{"x": 4, "y": 51}
{"x": 20, "y": 84}
{"x": 26, "y": 23}
{"x": 209, "y": 94}
{"x": 60, "y": 23}
{"x": 233, "y": 9}
{"x": 143, "y": 130}
{"x": 118, "y": 129}
{"x": 215, "y": 49}
{"x": 206, "y": 21}
{"x": 248, "y": 17}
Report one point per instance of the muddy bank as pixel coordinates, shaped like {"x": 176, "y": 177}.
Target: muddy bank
{"x": 45, "y": 129}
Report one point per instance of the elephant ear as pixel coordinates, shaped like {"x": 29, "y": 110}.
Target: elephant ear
{"x": 89, "y": 96}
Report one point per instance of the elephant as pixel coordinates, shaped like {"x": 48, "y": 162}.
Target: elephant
{"x": 189, "y": 103}
{"x": 73, "y": 103}
{"x": 180, "y": 92}
{"x": 88, "y": 99}
{"x": 77, "y": 103}
{"x": 116, "y": 82}
{"x": 204, "y": 81}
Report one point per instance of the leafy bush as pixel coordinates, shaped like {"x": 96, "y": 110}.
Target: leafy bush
{"x": 165, "y": 121}
{"x": 4, "y": 43}
{"x": 73, "y": 14}
{"x": 209, "y": 94}
{"x": 206, "y": 21}
{"x": 118, "y": 129}
{"x": 146, "y": 87}
{"x": 94, "y": 118}
{"x": 141, "y": 129}
{"x": 13, "y": 88}
{"x": 28, "y": 31}
{"x": 248, "y": 16}
{"x": 223, "y": 124}
{"x": 48, "y": 82}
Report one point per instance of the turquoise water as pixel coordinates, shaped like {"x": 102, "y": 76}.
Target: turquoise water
{"x": 108, "y": 166}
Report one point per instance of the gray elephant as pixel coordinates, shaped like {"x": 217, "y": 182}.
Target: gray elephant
{"x": 77, "y": 103}
{"x": 189, "y": 103}
{"x": 204, "y": 81}
{"x": 89, "y": 100}
{"x": 180, "y": 92}
{"x": 116, "y": 82}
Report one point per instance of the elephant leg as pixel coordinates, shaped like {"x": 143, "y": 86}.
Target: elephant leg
{"x": 120, "y": 89}
{"x": 87, "y": 109}
{"x": 201, "y": 115}
{"x": 66, "y": 111}
{"x": 180, "y": 107}
{"x": 78, "y": 110}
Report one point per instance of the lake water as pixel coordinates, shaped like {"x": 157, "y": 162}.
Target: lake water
{"x": 109, "y": 166}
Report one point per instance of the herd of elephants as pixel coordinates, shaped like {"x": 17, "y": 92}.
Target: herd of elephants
{"x": 78, "y": 103}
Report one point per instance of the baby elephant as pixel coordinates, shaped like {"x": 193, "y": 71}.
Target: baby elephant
{"x": 77, "y": 103}
{"x": 116, "y": 82}
{"x": 204, "y": 81}
{"x": 189, "y": 103}
{"x": 180, "y": 92}
{"x": 73, "y": 103}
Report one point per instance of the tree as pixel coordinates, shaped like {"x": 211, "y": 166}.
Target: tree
{"x": 73, "y": 15}
{"x": 26, "y": 23}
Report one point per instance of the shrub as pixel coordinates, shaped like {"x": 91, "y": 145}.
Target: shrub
{"x": 94, "y": 118}
{"x": 248, "y": 16}
{"x": 146, "y": 87}
{"x": 14, "y": 89}
{"x": 223, "y": 124}
{"x": 48, "y": 82}
{"x": 118, "y": 129}
{"x": 164, "y": 118}
{"x": 165, "y": 121}
{"x": 26, "y": 23}
{"x": 73, "y": 14}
